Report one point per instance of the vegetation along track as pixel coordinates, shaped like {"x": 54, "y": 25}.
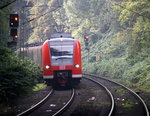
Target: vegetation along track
{"x": 127, "y": 102}
{"x": 58, "y": 102}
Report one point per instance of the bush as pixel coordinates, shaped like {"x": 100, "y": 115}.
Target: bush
{"x": 138, "y": 73}
{"x": 17, "y": 76}
{"x": 112, "y": 67}
{"x": 90, "y": 68}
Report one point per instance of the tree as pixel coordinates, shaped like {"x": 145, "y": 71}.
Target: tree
{"x": 134, "y": 16}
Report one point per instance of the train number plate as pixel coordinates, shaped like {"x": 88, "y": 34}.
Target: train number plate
{"x": 62, "y": 67}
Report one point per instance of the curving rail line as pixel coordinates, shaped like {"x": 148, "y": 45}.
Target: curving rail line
{"x": 135, "y": 94}
{"x": 59, "y": 112}
{"x": 109, "y": 93}
{"x": 67, "y": 104}
{"x": 28, "y": 111}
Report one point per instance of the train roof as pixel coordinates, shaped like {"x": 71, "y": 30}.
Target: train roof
{"x": 61, "y": 35}
{"x": 62, "y": 39}
{"x": 57, "y": 40}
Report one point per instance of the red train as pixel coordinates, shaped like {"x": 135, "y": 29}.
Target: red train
{"x": 61, "y": 61}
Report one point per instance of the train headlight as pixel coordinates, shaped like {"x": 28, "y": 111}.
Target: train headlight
{"x": 77, "y": 65}
{"x": 47, "y": 66}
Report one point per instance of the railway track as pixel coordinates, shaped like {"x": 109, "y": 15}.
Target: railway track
{"x": 65, "y": 107}
{"x": 122, "y": 100}
{"x": 92, "y": 99}
{"x": 30, "y": 110}
{"x": 55, "y": 103}
{"x": 127, "y": 102}
{"x": 112, "y": 102}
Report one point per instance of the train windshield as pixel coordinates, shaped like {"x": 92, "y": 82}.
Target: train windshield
{"x": 61, "y": 52}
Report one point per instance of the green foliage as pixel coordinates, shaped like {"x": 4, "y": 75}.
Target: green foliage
{"x": 138, "y": 73}
{"x": 118, "y": 45}
{"x": 109, "y": 68}
{"x": 134, "y": 16}
{"x": 17, "y": 76}
{"x": 44, "y": 26}
{"x": 4, "y": 26}
{"x": 38, "y": 87}
{"x": 90, "y": 68}
{"x": 128, "y": 104}
{"x": 88, "y": 16}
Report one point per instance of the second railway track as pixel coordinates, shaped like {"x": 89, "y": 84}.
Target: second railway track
{"x": 127, "y": 102}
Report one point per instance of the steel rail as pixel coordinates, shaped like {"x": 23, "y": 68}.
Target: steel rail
{"x": 111, "y": 96}
{"x": 65, "y": 107}
{"x": 28, "y": 111}
{"x": 134, "y": 93}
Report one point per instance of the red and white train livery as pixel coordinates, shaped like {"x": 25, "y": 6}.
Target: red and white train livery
{"x": 61, "y": 61}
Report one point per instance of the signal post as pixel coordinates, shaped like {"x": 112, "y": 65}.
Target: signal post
{"x": 13, "y": 24}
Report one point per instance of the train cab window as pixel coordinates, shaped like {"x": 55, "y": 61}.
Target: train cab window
{"x": 61, "y": 53}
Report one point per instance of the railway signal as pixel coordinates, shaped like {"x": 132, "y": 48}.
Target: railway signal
{"x": 14, "y": 33}
{"x": 86, "y": 39}
{"x": 14, "y": 20}
{"x": 14, "y": 23}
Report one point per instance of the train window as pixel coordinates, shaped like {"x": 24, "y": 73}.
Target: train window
{"x": 61, "y": 53}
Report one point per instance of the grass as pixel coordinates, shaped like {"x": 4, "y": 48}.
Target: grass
{"x": 121, "y": 91}
{"x": 38, "y": 87}
{"x": 128, "y": 104}
{"x": 106, "y": 103}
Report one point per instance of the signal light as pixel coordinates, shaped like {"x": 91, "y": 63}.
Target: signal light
{"x": 14, "y": 20}
{"x": 14, "y": 33}
{"x": 86, "y": 37}
{"x": 16, "y": 36}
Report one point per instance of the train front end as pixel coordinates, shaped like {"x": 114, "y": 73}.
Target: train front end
{"x": 61, "y": 59}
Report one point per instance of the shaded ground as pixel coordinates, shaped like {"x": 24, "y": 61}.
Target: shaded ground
{"x": 146, "y": 98}
{"x": 25, "y": 102}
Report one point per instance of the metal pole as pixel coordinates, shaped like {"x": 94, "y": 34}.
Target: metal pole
{"x": 20, "y": 37}
{"x": 88, "y": 68}
{"x": 23, "y": 34}
{"x": 88, "y": 55}
{"x": 0, "y": 34}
